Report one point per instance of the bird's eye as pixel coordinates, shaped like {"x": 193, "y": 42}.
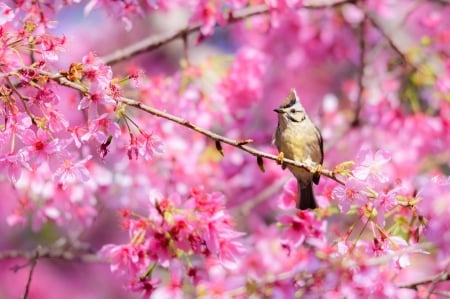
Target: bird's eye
{"x": 292, "y": 110}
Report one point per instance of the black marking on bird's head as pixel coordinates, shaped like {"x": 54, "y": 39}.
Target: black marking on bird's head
{"x": 291, "y": 109}
{"x": 290, "y": 100}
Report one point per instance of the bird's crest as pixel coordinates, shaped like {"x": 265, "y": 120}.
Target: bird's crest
{"x": 290, "y": 100}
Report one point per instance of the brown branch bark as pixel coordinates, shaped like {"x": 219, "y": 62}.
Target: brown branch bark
{"x": 154, "y": 42}
{"x": 241, "y": 144}
{"x": 30, "y": 275}
{"x": 389, "y": 39}
{"x": 444, "y": 276}
{"x": 50, "y": 253}
{"x": 362, "y": 66}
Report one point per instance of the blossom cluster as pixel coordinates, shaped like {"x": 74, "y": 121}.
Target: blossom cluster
{"x": 177, "y": 234}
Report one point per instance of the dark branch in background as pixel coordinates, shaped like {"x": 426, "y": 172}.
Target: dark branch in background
{"x": 361, "y": 68}
{"x": 441, "y": 277}
{"x": 154, "y": 42}
{"x": 390, "y": 41}
{"x": 30, "y": 275}
{"x": 441, "y": 2}
{"x": 444, "y": 276}
{"x": 53, "y": 253}
{"x": 241, "y": 144}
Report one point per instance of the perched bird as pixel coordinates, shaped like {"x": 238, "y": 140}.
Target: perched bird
{"x": 298, "y": 139}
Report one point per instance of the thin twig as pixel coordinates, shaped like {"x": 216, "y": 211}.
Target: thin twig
{"x": 241, "y": 144}
{"x": 441, "y": 277}
{"x": 30, "y": 275}
{"x": 416, "y": 248}
{"x": 23, "y": 100}
{"x": 154, "y": 42}
{"x": 434, "y": 279}
{"x": 442, "y": 293}
{"x": 52, "y": 254}
{"x": 390, "y": 41}
{"x": 362, "y": 66}
{"x": 185, "y": 39}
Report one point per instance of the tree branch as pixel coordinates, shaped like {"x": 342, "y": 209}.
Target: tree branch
{"x": 444, "y": 276}
{"x": 391, "y": 42}
{"x": 362, "y": 66}
{"x": 54, "y": 253}
{"x": 241, "y": 144}
{"x": 154, "y": 42}
{"x": 30, "y": 275}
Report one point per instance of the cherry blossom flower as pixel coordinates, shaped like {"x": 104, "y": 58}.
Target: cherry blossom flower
{"x": 369, "y": 166}
{"x": 353, "y": 193}
{"x": 99, "y": 128}
{"x": 148, "y": 145}
{"x": 50, "y": 46}
{"x": 70, "y": 172}
{"x": 56, "y": 121}
{"x": 302, "y": 227}
{"x": 47, "y": 95}
{"x": 12, "y": 164}
{"x": 40, "y": 147}
{"x": 6, "y": 14}
{"x": 242, "y": 86}
{"x": 289, "y": 197}
{"x": 124, "y": 258}
{"x": 97, "y": 73}
{"x": 145, "y": 286}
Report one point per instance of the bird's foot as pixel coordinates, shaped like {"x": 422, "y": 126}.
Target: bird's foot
{"x": 317, "y": 173}
{"x": 280, "y": 160}
{"x": 318, "y": 170}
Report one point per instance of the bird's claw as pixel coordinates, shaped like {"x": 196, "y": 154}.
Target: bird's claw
{"x": 318, "y": 169}
{"x": 317, "y": 173}
{"x": 280, "y": 160}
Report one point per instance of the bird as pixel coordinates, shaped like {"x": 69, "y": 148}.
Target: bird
{"x": 298, "y": 138}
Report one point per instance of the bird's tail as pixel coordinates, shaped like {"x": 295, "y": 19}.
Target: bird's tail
{"x": 306, "y": 200}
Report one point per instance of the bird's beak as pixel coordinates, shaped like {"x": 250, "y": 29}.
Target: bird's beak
{"x": 278, "y": 110}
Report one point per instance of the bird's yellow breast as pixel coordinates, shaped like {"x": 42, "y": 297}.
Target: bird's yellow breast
{"x": 299, "y": 143}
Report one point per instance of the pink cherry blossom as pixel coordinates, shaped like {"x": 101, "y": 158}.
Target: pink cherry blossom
{"x": 148, "y": 145}
{"x": 70, "y": 172}
{"x": 353, "y": 193}
{"x": 302, "y": 227}
{"x": 6, "y": 14}
{"x": 100, "y": 128}
{"x": 40, "y": 147}
{"x": 370, "y": 166}
{"x": 289, "y": 197}
{"x": 242, "y": 86}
